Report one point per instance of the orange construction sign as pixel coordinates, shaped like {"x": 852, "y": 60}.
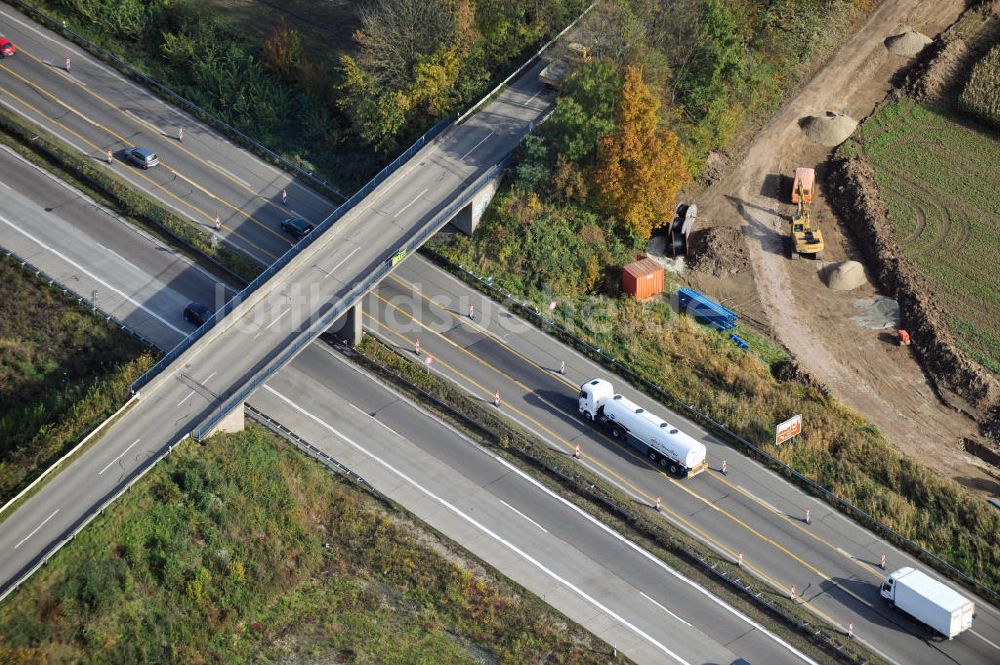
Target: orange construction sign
{"x": 788, "y": 429}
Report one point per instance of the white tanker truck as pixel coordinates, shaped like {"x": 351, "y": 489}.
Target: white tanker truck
{"x": 657, "y": 439}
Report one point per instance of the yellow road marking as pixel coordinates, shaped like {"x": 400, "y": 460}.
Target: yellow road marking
{"x": 575, "y": 388}
{"x": 126, "y": 142}
{"x": 137, "y": 173}
{"x": 674, "y": 481}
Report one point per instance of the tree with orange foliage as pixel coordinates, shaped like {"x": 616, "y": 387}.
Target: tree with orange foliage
{"x": 640, "y": 167}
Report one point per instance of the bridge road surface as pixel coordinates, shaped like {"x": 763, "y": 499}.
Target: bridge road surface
{"x": 607, "y": 585}
{"x": 833, "y": 561}
{"x": 748, "y": 501}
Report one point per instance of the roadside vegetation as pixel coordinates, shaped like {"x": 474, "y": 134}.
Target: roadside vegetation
{"x": 931, "y": 167}
{"x": 242, "y": 549}
{"x": 63, "y": 371}
{"x": 408, "y": 64}
{"x": 686, "y": 79}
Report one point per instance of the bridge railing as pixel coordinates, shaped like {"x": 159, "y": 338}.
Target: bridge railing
{"x": 348, "y": 300}
{"x": 292, "y": 252}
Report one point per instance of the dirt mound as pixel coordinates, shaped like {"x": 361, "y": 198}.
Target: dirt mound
{"x": 791, "y": 371}
{"x": 908, "y": 43}
{"x": 715, "y": 167}
{"x": 958, "y": 379}
{"x": 844, "y": 275}
{"x": 719, "y": 252}
{"x": 830, "y": 129}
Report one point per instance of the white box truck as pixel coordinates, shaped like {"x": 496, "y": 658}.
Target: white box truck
{"x": 657, "y": 439}
{"x": 929, "y": 601}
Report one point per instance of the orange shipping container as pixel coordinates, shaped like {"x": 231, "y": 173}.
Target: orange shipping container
{"x": 643, "y": 278}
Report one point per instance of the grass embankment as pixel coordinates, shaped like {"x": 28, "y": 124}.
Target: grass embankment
{"x": 242, "y": 549}
{"x": 564, "y": 475}
{"x": 933, "y": 169}
{"x": 98, "y": 182}
{"x": 62, "y": 372}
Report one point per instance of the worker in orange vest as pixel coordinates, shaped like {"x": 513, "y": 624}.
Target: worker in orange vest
{"x": 904, "y": 337}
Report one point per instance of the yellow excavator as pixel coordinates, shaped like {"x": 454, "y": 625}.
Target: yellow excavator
{"x": 802, "y": 237}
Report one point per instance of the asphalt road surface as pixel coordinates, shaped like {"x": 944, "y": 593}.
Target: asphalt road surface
{"x": 610, "y": 586}
{"x": 832, "y": 562}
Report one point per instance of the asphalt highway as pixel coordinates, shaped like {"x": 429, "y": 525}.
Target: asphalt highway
{"x": 832, "y": 562}
{"x": 610, "y": 586}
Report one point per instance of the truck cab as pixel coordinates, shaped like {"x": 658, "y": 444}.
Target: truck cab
{"x": 593, "y": 395}
{"x": 888, "y": 586}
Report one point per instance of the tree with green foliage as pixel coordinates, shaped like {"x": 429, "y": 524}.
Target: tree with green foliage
{"x": 640, "y": 167}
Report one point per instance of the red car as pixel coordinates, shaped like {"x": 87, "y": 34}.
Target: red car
{"x": 6, "y": 48}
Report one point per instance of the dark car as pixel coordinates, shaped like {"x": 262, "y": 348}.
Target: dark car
{"x": 296, "y": 226}
{"x": 6, "y": 48}
{"x": 143, "y": 157}
{"x": 197, "y": 313}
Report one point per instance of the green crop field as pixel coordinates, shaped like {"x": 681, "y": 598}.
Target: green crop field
{"x": 938, "y": 174}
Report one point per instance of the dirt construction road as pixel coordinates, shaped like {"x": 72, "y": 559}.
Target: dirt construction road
{"x": 860, "y": 365}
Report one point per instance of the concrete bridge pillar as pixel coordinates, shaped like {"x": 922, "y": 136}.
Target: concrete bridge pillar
{"x": 232, "y": 423}
{"x": 348, "y": 326}
{"x": 467, "y": 219}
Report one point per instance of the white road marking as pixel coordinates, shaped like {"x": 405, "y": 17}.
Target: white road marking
{"x": 473, "y": 148}
{"x": 523, "y": 515}
{"x": 415, "y": 199}
{"x": 342, "y": 261}
{"x": 93, "y": 276}
{"x": 54, "y": 131}
{"x": 532, "y": 98}
{"x": 4, "y": 185}
{"x": 119, "y": 457}
{"x": 658, "y": 562}
{"x": 37, "y": 528}
{"x": 231, "y": 175}
{"x": 186, "y": 397}
{"x": 524, "y": 555}
{"x": 643, "y": 594}
{"x": 984, "y": 639}
{"x": 278, "y": 318}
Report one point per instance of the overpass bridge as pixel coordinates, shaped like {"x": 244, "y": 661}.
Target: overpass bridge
{"x": 200, "y": 386}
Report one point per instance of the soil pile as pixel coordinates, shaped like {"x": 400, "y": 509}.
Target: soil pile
{"x": 791, "y": 371}
{"x": 907, "y": 44}
{"x": 719, "y": 252}
{"x": 830, "y": 129}
{"x": 845, "y": 275}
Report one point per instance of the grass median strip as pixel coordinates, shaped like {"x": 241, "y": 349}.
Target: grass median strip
{"x": 636, "y": 521}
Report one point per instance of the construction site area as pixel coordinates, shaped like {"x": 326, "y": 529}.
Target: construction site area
{"x": 863, "y": 245}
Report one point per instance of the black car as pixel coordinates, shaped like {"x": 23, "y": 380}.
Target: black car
{"x": 197, "y": 313}
{"x": 297, "y": 226}
{"x": 143, "y": 157}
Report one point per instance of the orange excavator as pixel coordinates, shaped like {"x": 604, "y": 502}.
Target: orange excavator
{"x": 802, "y": 237}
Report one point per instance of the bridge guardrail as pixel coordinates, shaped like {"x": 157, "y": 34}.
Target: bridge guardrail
{"x": 356, "y": 293}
